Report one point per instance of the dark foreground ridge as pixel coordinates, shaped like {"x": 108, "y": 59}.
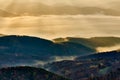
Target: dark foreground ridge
{"x": 27, "y": 73}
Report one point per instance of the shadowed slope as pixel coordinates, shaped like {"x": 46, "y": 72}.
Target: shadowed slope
{"x": 27, "y": 73}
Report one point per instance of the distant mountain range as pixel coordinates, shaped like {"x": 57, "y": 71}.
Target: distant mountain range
{"x": 25, "y": 49}
{"x": 27, "y": 73}
{"x": 20, "y": 50}
{"x": 33, "y": 51}
{"x": 36, "y": 9}
{"x": 92, "y": 43}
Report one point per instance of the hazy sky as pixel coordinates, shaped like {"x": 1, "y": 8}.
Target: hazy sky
{"x": 62, "y": 26}
{"x": 102, "y": 3}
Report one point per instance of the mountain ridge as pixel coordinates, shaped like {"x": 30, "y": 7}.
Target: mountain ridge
{"x": 28, "y": 50}
{"x": 93, "y": 42}
{"x": 27, "y": 73}
{"x": 84, "y": 67}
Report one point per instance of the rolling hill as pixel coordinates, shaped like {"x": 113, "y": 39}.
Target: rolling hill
{"x": 25, "y": 49}
{"x": 84, "y": 67}
{"x": 92, "y": 43}
{"x": 27, "y": 73}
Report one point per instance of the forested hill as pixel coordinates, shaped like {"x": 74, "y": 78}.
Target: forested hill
{"x": 23, "y": 50}
{"x": 99, "y": 66}
{"x": 27, "y": 73}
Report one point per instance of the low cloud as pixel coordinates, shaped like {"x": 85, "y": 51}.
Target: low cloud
{"x": 53, "y": 59}
{"x": 54, "y": 26}
{"x": 104, "y": 49}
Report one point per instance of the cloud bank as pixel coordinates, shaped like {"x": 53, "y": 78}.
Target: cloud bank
{"x": 61, "y": 26}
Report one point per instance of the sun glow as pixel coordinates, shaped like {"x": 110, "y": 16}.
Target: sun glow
{"x": 104, "y": 49}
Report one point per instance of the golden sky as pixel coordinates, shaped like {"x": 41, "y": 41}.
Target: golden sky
{"x": 53, "y": 26}
{"x": 61, "y": 26}
{"x": 102, "y": 3}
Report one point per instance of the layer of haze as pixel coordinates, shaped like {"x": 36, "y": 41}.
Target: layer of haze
{"x": 108, "y": 4}
{"x": 61, "y": 26}
{"x": 70, "y": 2}
{"x": 53, "y": 26}
{"x": 104, "y": 49}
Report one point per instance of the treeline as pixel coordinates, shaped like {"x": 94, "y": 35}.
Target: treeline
{"x": 27, "y": 73}
{"x": 113, "y": 75}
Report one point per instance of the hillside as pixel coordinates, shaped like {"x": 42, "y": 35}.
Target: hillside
{"x": 103, "y": 55}
{"x": 113, "y": 75}
{"x": 25, "y": 49}
{"x": 84, "y": 67}
{"x": 92, "y": 43}
{"x": 27, "y": 73}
